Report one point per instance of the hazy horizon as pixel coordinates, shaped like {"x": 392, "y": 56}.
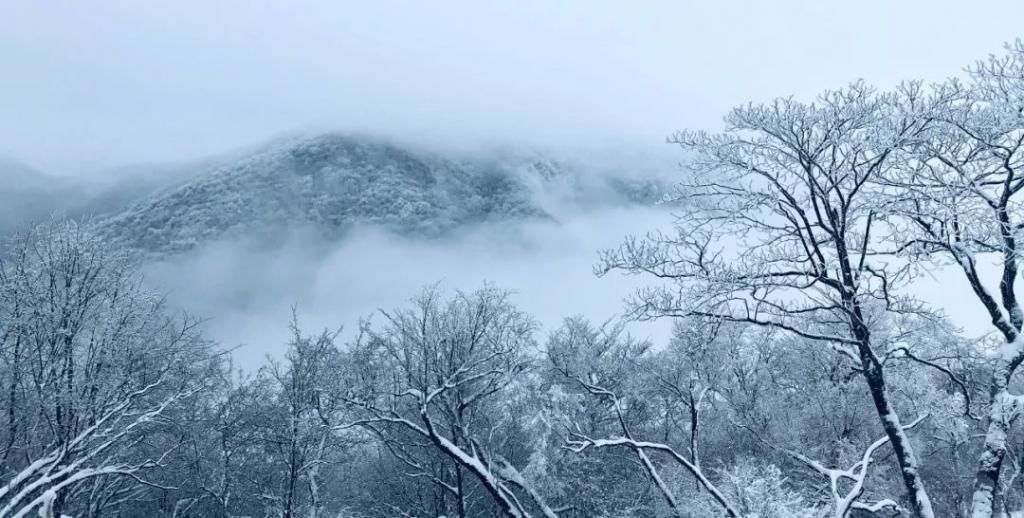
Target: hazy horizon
{"x": 105, "y": 84}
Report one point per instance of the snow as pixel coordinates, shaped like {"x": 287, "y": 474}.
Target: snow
{"x": 1012, "y": 349}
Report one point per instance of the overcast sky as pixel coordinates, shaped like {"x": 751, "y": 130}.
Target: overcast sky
{"x": 87, "y": 84}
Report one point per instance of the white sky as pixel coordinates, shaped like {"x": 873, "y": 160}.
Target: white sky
{"x": 88, "y": 84}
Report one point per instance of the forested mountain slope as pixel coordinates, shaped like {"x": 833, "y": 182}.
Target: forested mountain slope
{"x": 332, "y": 182}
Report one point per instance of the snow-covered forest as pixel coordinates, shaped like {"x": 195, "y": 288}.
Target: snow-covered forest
{"x": 805, "y": 374}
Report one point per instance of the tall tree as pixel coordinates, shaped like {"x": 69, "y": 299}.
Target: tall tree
{"x": 958, "y": 195}
{"x": 431, "y": 373}
{"x": 307, "y": 410}
{"x": 93, "y": 364}
{"x": 776, "y": 228}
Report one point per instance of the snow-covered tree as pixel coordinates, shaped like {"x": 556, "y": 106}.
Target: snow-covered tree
{"x": 776, "y": 228}
{"x": 427, "y": 378}
{"x": 307, "y": 410}
{"x": 957, "y": 194}
{"x": 601, "y": 362}
{"x": 92, "y": 366}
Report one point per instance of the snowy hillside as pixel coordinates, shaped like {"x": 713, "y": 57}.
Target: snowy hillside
{"x": 330, "y": 183}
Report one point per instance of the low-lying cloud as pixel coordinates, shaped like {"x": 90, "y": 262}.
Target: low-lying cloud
{"x": 246, "y": 293}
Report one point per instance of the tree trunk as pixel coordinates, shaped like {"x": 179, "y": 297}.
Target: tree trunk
{"x": 694, "y": 423}
{"x": 990, "y": 463}
{"x": 920, "y": 504}
{"x": 461, "y": 500}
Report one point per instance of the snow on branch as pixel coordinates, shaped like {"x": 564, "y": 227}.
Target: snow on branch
{"x": 844, "y": 502}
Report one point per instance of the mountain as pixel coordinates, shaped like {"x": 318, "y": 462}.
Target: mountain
{"x": 325, "y": 183}
{"x": 28, "y": 195}
{"x": 333, "y": 182}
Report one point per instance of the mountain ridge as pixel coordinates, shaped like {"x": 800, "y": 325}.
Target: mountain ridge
{"x": 331, "y": 183}
{"x": 335, "y": 181}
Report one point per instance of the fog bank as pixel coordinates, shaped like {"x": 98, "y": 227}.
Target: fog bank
{"x": 247, "y": 293}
